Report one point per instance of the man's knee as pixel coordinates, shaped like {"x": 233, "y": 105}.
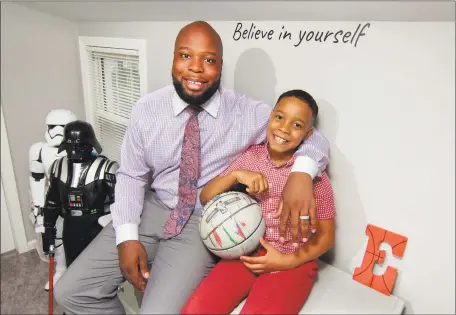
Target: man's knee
{"x": 165, "y": 307}
{"x": 60, "y": 291}
{"x": 65, "y": 290}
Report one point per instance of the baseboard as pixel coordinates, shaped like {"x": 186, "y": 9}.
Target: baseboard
{"x": 31, "y": 245}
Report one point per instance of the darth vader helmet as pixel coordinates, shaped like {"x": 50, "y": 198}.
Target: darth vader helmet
{"x": 79, "y": 140}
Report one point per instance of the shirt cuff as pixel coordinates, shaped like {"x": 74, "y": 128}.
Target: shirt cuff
{"x": 126, "y": 232}
{"x": 305, "y": 164}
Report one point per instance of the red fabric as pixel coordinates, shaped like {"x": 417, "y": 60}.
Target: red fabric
{"x": 230, "y": 282}
{"x": 256, "y": 158}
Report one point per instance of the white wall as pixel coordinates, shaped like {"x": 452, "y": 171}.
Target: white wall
{"x": 40, "y": 72}
{"x": 7, "y": 241}
{"x": 387, "y": 107}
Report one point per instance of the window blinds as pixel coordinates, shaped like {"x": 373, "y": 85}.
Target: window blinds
{"x": 115, "y": 85}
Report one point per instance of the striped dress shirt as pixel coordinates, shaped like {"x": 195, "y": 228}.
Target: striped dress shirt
{"x": 150, "y": 153}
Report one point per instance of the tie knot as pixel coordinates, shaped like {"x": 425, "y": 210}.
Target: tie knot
{"x": 193, "y": 110}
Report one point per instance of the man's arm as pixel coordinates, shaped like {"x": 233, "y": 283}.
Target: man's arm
{"x": 131, "y": 180}
{"x": 298, "y": 197}
{"x": 319, "y": 244}
{"x": 312, "y": 155}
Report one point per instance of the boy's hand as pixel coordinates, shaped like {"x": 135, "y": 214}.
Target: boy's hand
{"x": 272, "y": 261}
{"x": 256, "y": 182}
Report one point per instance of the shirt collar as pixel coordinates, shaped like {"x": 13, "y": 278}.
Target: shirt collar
{"x": 212, "y": 106}
{"x": 268, "y": 157}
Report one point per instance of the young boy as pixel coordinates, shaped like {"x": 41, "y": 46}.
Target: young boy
{"x": 278, "y": 277}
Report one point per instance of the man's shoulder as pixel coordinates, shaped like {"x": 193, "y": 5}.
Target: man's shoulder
{"x": 235, "y": 97}
{"x": 154, "y": 100}
{"x": 159, "y": 95}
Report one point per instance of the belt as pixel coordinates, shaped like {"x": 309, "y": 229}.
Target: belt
{"x": 80, "y": 213}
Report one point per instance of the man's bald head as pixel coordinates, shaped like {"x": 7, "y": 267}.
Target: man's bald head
{"x": 200, "y": 28}
{"x": 197, "y": 63}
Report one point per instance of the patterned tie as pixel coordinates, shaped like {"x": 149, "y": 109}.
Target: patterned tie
{"x": 190, "y": 171}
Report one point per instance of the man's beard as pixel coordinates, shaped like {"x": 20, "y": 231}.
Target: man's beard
{"x": 196, "y": 100}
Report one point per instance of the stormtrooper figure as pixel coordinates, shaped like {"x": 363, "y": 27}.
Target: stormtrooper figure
{"x": 41, "y": 157}
{"x": 81, "y": 190}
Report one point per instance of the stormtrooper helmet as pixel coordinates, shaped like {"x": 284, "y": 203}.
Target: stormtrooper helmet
{"x": 56, "y": 121}
{"x": 79, "y": 140}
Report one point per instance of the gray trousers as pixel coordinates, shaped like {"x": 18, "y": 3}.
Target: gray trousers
{"x": 89, "y": 285}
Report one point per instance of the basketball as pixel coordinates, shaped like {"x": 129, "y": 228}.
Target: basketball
{"x": 231, "y": 225}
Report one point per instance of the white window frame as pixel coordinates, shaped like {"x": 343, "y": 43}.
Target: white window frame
{"x": 110, "y": 42}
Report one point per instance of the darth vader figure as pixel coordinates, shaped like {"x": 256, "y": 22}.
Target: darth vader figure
{"x": 81, "y": 190}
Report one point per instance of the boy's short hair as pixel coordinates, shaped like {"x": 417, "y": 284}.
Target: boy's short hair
{"x": 305, "y": 97}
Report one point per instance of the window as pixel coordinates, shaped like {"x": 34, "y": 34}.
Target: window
{"x": 114, "y": 78}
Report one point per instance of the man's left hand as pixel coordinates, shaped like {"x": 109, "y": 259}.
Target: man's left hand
{"x": 297, "y": 200}
{"x": 272, "y": 261}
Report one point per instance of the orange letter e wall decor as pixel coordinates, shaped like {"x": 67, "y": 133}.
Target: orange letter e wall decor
{"x": 364, "y": 275}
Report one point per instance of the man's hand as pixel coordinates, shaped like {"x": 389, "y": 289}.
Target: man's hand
{"x": 298, "y": 199}
{"x": 133, "y": 263}
{"x": 272, "y": 261}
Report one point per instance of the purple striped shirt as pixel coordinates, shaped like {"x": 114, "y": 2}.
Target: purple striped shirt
{"x": 151, "y": 149}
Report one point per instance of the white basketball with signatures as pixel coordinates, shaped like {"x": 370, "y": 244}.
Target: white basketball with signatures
{"x": 231, "y": 225}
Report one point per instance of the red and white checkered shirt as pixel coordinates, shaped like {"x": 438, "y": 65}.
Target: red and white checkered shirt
{"x": 256, "y": 158}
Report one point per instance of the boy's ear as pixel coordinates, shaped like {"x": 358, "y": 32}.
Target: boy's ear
{"x": 309, "y": 133}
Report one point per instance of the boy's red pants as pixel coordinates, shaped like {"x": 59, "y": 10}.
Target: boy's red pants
{"x": 230, "y": 282}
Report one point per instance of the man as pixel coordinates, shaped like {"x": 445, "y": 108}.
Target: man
{"x": 183, "y": 135}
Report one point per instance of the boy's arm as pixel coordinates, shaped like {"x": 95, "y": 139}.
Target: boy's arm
{"x": 224, "y": 181}
{"x": 217, "y": 186}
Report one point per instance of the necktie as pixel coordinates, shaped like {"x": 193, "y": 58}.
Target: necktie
{"x": 189, "y": 173}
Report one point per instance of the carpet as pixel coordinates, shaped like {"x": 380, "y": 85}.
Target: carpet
{"x": 22, "y": 284}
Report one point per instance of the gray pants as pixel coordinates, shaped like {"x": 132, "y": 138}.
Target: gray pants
{"x": 89, "y": 285}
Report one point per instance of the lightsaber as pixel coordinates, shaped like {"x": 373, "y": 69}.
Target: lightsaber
{"x": 51, "y": 281}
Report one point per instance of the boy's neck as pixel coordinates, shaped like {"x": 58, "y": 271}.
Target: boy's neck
{"x": 279, "y": 157}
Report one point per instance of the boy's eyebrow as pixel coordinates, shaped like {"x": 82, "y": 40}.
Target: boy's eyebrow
{"x": 303, "y": 121}
{"x": 294, "y": 118}
{"x": 300, "y": 120}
